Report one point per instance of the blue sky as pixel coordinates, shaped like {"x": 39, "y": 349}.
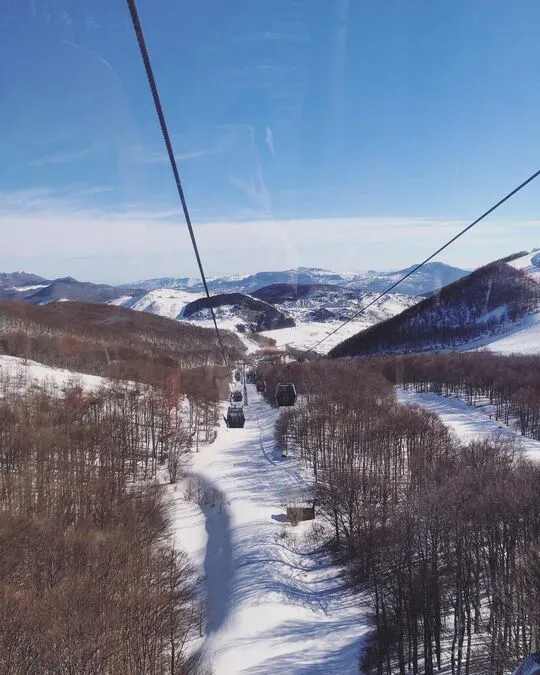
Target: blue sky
{"x": 347, "y": 134}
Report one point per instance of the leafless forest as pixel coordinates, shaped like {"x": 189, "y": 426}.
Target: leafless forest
{"x": 444, "y": 537}
{"x": 441, "y": 538}
{"x": 90, "y": 580}
{"x": 108, "y": 340}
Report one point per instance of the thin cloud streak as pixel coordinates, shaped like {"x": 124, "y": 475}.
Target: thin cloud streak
{"x": 143, "y": 155}
{"x": 67, "y": 157}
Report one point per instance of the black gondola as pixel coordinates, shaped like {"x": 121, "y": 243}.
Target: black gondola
{"x": 285, "y": 394}
{"x": 236, "y": 396}
{"x": 261, "y": 386}
{"x": 237, "y": 376}
{"x": 235, "y": 418}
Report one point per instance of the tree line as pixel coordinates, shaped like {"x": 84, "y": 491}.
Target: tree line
{"x": 90, "y": 581}
{"x": 442, "y": 536}
{"x": 109, "y": 341}
{"x": 511, "y": 384}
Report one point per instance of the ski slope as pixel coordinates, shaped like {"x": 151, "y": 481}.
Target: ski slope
{"x": 522, "y": 337}
{"x": 467, "y": 422}
{"x": 274, "y": 605}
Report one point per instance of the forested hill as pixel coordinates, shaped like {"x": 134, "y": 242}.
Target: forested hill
{"x": 484, "y": 303}
{"x": 108, "y": 340}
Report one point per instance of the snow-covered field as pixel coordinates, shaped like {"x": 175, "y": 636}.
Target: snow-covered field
{"x": 467, "y": 422}
{"x": 306, "y": 335}
{"x": 274, "y": 606}
{"x": 164, "y": 302}
{"x": 16, "y": 371}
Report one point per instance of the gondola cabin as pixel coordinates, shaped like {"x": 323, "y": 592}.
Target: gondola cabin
{"x": 261, "y": 386}
{"x": 236, "y": 397}
{"x": 235, "y": 418}
{"x": 237, "y": 376}
{"x": 285, "y": 394}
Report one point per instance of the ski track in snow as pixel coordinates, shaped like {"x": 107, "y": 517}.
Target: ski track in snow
{"x": 467, "y": 422}
{"x": 272, "y": 608}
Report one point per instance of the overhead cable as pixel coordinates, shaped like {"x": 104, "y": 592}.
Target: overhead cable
{"x": 166, "y": 137}
{"x": 417, "y": 267}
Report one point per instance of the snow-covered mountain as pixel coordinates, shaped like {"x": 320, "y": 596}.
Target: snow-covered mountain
{"x": 496, "y": 306}
{"x": 426, "y": 280}
{"x": 430, "y": 278}
{"x": 39, "y": 291}
{"x": 314, "y": 299}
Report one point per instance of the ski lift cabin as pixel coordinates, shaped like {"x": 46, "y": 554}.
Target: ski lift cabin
{"x": 235, "y": 418}
{"x": 236, "y": 396}
{"x": 237, "y": 376}
{"x": 261, "y": 386}
{"x": 285, "y": 394}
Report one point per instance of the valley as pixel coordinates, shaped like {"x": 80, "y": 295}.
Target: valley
{"x": 387, "y": 447}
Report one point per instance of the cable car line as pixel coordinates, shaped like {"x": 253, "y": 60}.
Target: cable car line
{"x": 166, "y": 137}
{"x": 417, "y": 267}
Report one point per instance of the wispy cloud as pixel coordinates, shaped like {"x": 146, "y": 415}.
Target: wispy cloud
{"x": 67, "y": 157}
{"x": 146, "y": 155}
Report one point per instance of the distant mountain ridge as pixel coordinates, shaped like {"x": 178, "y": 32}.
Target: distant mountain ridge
{"x": 429, "y": 278}
{"x": 38, "y": 290}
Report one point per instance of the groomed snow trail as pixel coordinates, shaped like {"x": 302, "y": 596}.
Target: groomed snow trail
{"x": 467, "y": 422}
{"x": 272, "y": 608}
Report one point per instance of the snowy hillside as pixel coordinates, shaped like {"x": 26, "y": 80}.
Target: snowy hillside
{"x": 18, "y": 374}
{"x": 162, "y": 301}
{"x": 529, "y": 263}
{"x": 491, "y": 304}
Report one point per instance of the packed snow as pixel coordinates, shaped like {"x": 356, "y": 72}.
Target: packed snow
{"x": 468, "y": 422}
{"x": 274, "y": 605}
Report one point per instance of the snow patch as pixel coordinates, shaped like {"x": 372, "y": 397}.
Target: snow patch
{"x": 29, "y": 373}
{"x": 23, "y": 289}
